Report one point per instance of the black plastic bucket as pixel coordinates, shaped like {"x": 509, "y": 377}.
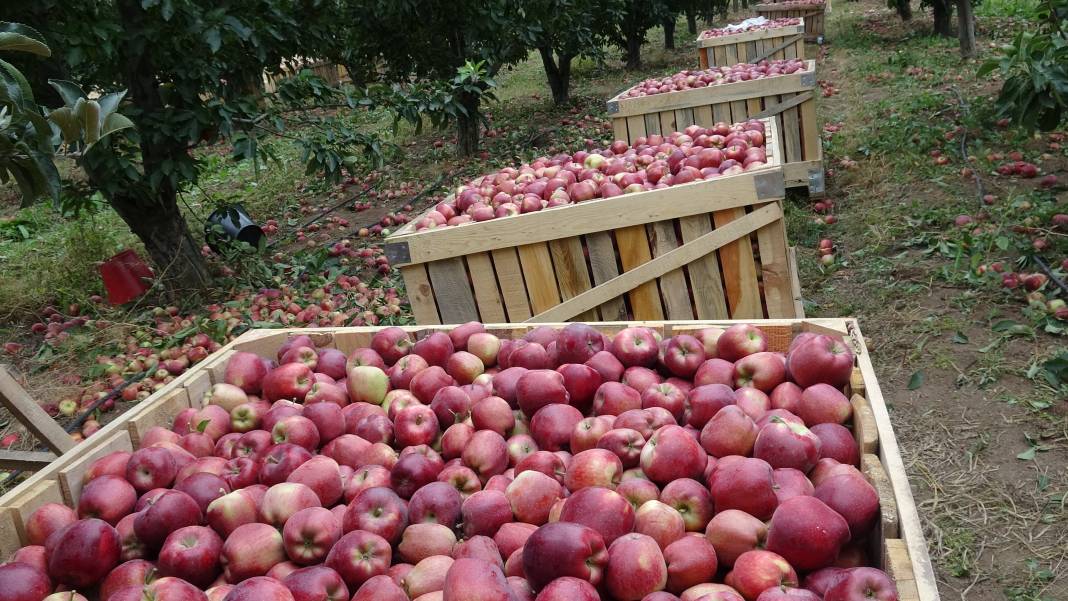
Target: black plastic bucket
{"x": 231, "y": 223}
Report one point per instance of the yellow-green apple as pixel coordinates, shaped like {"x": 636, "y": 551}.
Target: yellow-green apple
{"x": 635, "y": 568}
{"x": 690, "y": 560}
{"x": 607, "y": 365}
{"x": 246, "y": 371}
{"x": 786, "y": 395}
{"x": 758, "y": 570}
{"x": 807, "y": 532}
{"x": 169, "y": 511}
{"x": 820, "y": 359}
{"x": 404, "y": 371}
{"x": 82, "y": 553}
{"x": 378, "y": 510}
{"x": 683, "y": 354}
{"x": 824, "y": 404}
{"x": 152, "y": 467}
{"x": 837, "y": 442}
{"x": 427, "y": 576}
{"x": 715, "y": 371}
{"x": 635, "y": 346}
{"x": 729, "y": 432}
{"x": 470, "y": 579}
{"x": 744, "y": 483}
{"x": 786, "y": 444}
{"x": 464, "y": 367}
{"x": 285, "y": 499}
{"x": 109, "y": 498}
{"x": 615, "y": 398}
{"x": 692, "y": 500}
{"x": 595, "y": 467}
{"x": 740, "y": 340}
{"x": 227, "y": 396}
{"x": 278, "y": 462}
{"x": 531, "y": 496}
{"x": 291, "y": 381}
{"x": 763, "y": 371}
{"x": 564, "y": 549}
{"x": 733, "y": 532}
{"x": 380, "y": 588}
{"x": 229, "y": 511}
{"x": 23, "y": 582}
{"x": 660, "y": 522}
{"x": 863, "y": 583}
{"x": 790, "y": 483}
{"x": 854, "y": 499}
{"x": 485, "y": 346}
{"x": 437, "y": 502}
{"x": 359, "y": 556}
{"x": 247, "y": 417}
{"x": 204, "y": 487}
{"x": 391, "y": 343}
{"x": 423, "y": 540}
{"x": 551, "y": 426}
{"x": 604, "y": 510}
{"x": 309, "y": 534}
{"x": 568, "y": 588}
{"x": 672, "y": 453}
{"x": 191, "y": 553}
{"x": 484, "y": 512}
{"x": 367, "y": 384}
{"x": 316, "y": 583}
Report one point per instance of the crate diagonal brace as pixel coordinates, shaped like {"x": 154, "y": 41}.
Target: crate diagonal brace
{"x": 681, "y": 256}
{"x": 790, "y": 41}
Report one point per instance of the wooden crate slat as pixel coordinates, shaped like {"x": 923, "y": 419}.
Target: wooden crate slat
{"x": 72, "y": 477}
{"x": 539, "y": 275}
{"x": 14, "y": 514}
{"x": 702, "y": 115}
{"x": 484, "y": 281}
{"x": 603, "y": 268}
{"x": 791, "y": 130}
{"x": 572, "y": 276}
{"x": 452, "y": 290}
{"x": 721, "y": 112}
{"x": 755, "y": 35}
{"x": 648, "y": 270}
{"x": 673, "y": 286}
{"x": 25, "y": 460}
{"x": 652, "y": 124}
{"x": 420, "y": 294}
{"x": 795, "y": 284}
{"x": 684, "y": 118}
{"x": 864, "y": 428}
{"x": 635, "y": 127}
{"x": 775, "y": 269}
{"x": 705, "y": 283}
{"x": 198, "y": 385}
{"x": 513, "y": 289}
{"x": 21, "y": 405}
{"x": 739, "y": 270}
{"x": 811, "y": 143}
{"x": 667, "y": 123}
{"x": 873, "y": 469}
{"x": 633, "y": 243}
{"x": 899, "y": 565}
{"x": 619, "y": 129}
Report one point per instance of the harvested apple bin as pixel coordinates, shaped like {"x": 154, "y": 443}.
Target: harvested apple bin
{"x": 677, "y": 461}
{"x": 751, "y": 41}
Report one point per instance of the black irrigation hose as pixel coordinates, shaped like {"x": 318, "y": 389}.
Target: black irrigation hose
{"x": 97, "y": 403}
{"x": 1049, "y": 273}
{"x": 327, "y": 211}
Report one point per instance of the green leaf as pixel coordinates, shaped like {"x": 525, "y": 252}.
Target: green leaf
{"x": 214, "y": 39}
{"x": 203, "y": 425}
{"x": 69, "y": 91}
{"x": 68, "y": 125}
{"x": 916, "y": 380}
{"x": 115, "y": 122}
{"x": 1027, "y": 455}
{"x": 15, "y": 37}
{"x": 960, "y": 338}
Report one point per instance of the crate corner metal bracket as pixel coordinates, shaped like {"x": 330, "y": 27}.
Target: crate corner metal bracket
{"x": 771, "y": 185}
{"x": 398, "y": 253}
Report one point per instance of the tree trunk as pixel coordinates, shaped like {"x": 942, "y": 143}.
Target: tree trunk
{"x": 559, "y": 75}
{"x": 669, "y": 33}
{"x": 942, "y": 11}
{"x": 736, "y": 7}
{"x": 468, "y": 126}
{"x": 151, "y": 211}
{"x": 966, "y": 28}
{"x": 691, "y": 21}
{"x": 904, "y": 9}
{"x": 634, "y": 51}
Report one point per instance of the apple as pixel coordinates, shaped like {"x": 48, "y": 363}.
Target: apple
{"x": 659, "y": 521}
{"x": 426, "y": 539}
{"x": 763, "y": 371}
{"x": 131, "y": 547}
{"x": 568, "y": 588}
{"x": 283, "y": 500}
{"x": 581, "y": 382}
{"x": 683, "y": 354}
{"x": 289, "y": 381}
{"x": 486, "y": 454}
{"x": 435, "y": 348}
{"x": 47, "y": 519}
{"x": 853, "y": 498}
{"x": 417, "y": 424}
{"x": 667, "y": 396}
{"x": 278, "y": 462}
{"x": 578, "y": 342}
{"x": 636, "y": 567}
{"x": 428, "y": 382}
{"x": 547, "y": 463}
{"x": 758, "y": 570}
{"x": 744, "y": 483}
{"x": 637, "y": 490}
{"x": 690, "y": 561}
{"x": 246, "y": 371}
{"x": 367, "y": 384}
{"x": 607, "y": 365}
{"x": 729, "y": 432}
{"x": 493, "y": 413}
{"x": 204, "y": 488}
{"x": 740, "y": 340}
{"x": 316, "y": 583}
{"x": 625, "y": 443}
{"x": 414, "y": 470}
{"x": 152, "y": 467}
{"x": 786, "y": 593}
{"x": 136, "y": 572}
{"x": 615, "y": 398}
{"x": 109, "y": 498}
{"x": 259, "y": 588}
{"x": 309, "y": 534}
{"x": 595, "y": 467}
{"x": 587, "y": 433}
{"x": 428, "y": 575}
{"x": 560, "y": 549}
{"x": 822, "y": 580}
{"x": 485, "y": 346}
{"x": 484, "y": 512}
{"x": 820, "y": 359}
{"x": 714, "y": 371}
{"x": 464, "y": 367}
{"x": 790, "y": 483}
{"x": 359, "y": 556}
{"x": 635, "y": 346}
{"x": 437, "y": 502}
{"x": 691, "y": 499}
{"x": 326, "y": 392}
{"x": 470, "y": 579}
{"x": 837, "y": 442}
{"x": 377, "y": 510}
{"x": 193, "y": 554}
{"x": 81, "y": 554}
{"x": 327, "y": 418}
{"x": 23, "y": 582}
{"x": 641, "y": 378}
{"x": 807, "y": 532}
{"x": 451, "y": 405}
{"x": 229, "y": 511}
{"x": 786, "y": 395}
{"x": 405, "y": 369}
{"x": 480, "y": 547}
{"x": 391, "y": 344}
{"x": 168, "y": 512}
{"x": 537, "y": 388}
{"x": 551, "y": 426}
{"x": 301, "y": 354}
{"x": 823, "y": 404}
{"x": 672, "y": 453}
{"x": 863, "y": 583}
{"x": 787, "y": 444}
{"x": 531, "y": 495}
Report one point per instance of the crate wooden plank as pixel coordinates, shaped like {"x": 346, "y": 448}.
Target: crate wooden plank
{"x": 645, "y": 272}
{"x": 19, "y": 509}
{"x": 487, "y": 295}
{"x": 539, "y": 275}
{"x": 739, "y": 270}
{"x": 619, "y": 129}
{"x": 752, "y": 35}
{"x": 10, "y": 539}
{"x": 635, "y": 127}
{"x": 18, "y": 402}
{"x": 603, "y": 268}
{"x": 652, "y": 124}
{"x": 791, "y": 132}
{"x": 898, "y": 564}
{"x": 721, "y": 112}
{"x": 795, "y": 285}
{"x": 702, "y": 115}
{"x": 812, "y": 145}
{"x": 673, "y": 288}
{"x": 26, "y": 460}
{"x": 157, "y": 412}
{"x": 452, "y": 290}
{"x": 705, "y": 282}
{"x": 513, "y": 289}
{"x": 72, "y": 477}
{"x": 420, "y": 294}
{"x": 864, "y": 428}
{"x": 683, "y": 118}
{"x": 667, "y": 123}
{"x": 572, "y": 276}
{"x": 633, "y": 243}
{"x": 775, "y": 270}
{"x": 873, "y": 470}
{"x": 198, "y": 385}
{"x": 856, "y": 384}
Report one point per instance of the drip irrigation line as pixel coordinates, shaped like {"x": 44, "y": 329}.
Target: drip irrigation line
{"x": 97, "y": 403}
{"x": 1049, "y": 273}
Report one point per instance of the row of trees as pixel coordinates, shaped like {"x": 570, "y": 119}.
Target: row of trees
{"x": 192, "y": 70}
{"x": 942, "y": 16}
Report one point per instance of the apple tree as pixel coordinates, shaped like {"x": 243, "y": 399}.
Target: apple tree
{"x": 632, "y": 29}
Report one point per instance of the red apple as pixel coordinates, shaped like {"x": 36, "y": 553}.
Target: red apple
{"x": 484, "y": 512}
{"x": 790, "y": 483}
{"x": 283, "y": 500}
{"x": 786, "y": 395}
{"x": 377, "y": 510}
{"x": 290, "y": 381}
{"x": 588, "y": 432}
{"x": 763, "y": 371}
{"x": 418, "y": 424}
{"x": 745, "y": 484}
{"x": 837, "y": 442}
{"x": 683, "y": 354}
{"x": 316, "y": 583}
{"x": 854, "y": 499}
{"x": 704, "y": 402}
{"x": 109, "y": 498}
{"x": 595, "y": 467}
{"x": 624, "y": 443}
{"x": 807, "y": 532}
{"x": 740, "y": 340}
{"x": 405, "y": 369}
{"x": 729, "y": 432}
{"x": 564, "y": 549}
{"x": 667, "y": 396}
{"x": 309, "y": 535}
{"x": 259, "y": 588}
{"x": 820, "y": 359}
{"x": 152, "y": 467}
{"x": 204, "y": 487}
{"x": 692, "y": 500}
{"x": 246, "y": 371}
{"x": 193, "y": 554}
{"x": 635, "y": 568}
{"x": 428, "y": 575}
{"x": 471, "y": 579}
{"x": 136, "y": 572}
{"x": 756, "y": 571}
{"x": 615, "y": 398}
{"x": 824, "y": 404}
{"x": 568, "y": 588}
{"x": 659, "y": 521}
{"x": 863, "y": 583}
{"x": 279, "y": 461}
{"x": 81, "y": 554}
{"x": 359, "y": 556}
{"x": 486, "y": 454}
{"x": 690, "y": 561}
{"x": 672, "y": 453}
{"x": 437, "y": 502}
{"x": 391, "y": 343}
{"x": 531, "y": 496}
{"x": 787, "y": 444}
{"x": 578, "y": 342}
{"x": 607, "y": 365}
{"x": 23, "y": 582}
{"x": 46, "y": 520}
{"x": 231, "y": 510}
{"x": 425, "y": 540}
{"x": 714, "y": 371}
{"x": 635, "y": 346}
{"x": 551, "y": 426}
{"x": 168, "y": 512}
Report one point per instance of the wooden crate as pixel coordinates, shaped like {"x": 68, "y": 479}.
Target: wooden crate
{"x": 897, "y": 546}
{"x": 752, "y": 46}
{"x": 813, "y": 15}
{"x": 790, "y": 99}
{"x": 683, "y": 252}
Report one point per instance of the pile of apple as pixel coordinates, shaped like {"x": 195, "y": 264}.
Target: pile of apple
{"x": 800, "y": 3}
{"x": 564, "y": 466}
{"x": 714, "y": 76}
{"x": 768, "y": 24}
{"x": 650, "y": 163}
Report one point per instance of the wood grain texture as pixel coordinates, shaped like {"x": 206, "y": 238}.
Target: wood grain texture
{"x": 452, "y": 290}
{"x": 876, "y": 475}
{"x": 572, "y": 276}
{"x": 739, "y": 271}
{"x": 633, "y": 244}
{"x": 864, "y": 428}
{"x": 420, "y": 294}
{"x": 705, "y": 279}
{"x": 539, "y": 275}
{"x": 23, "y": 408}
{"x": 513, "y": 288}
{"x": 776, "y": 271}
{"x": 603, "y": 267}
{"x": 673, "y": 286}
{"x": 484, "y": 282}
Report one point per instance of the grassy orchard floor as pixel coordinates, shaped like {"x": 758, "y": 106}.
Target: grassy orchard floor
{"x": 985, "y": 437}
